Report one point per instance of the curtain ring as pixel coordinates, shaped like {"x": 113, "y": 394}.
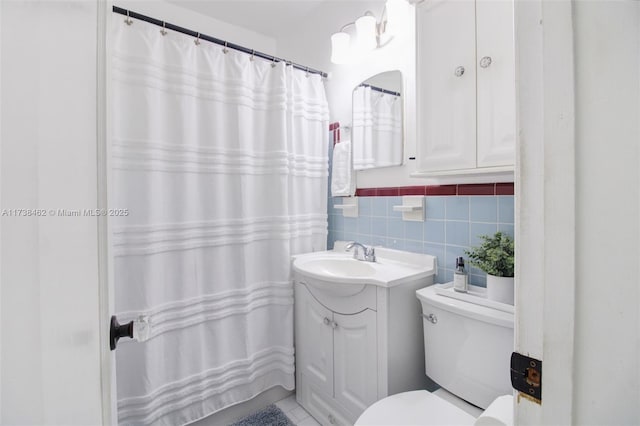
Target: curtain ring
{"x": 253, "y": 52}
{"x": 306, "y": 74}
{"x": 224, "y": 49}
{"x": 163, "y": 31}
{"x": 197, "y": 40}
{"x": 273, "y": 62}
{"x": 128, "y": 19}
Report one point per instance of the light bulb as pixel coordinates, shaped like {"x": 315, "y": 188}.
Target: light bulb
{"x": 366, "y": 29}
{"x": 340, "y": 43}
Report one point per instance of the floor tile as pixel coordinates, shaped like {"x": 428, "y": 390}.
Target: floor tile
{"x": 309, "y": 421}
{"x": 287, "y": 404}
{"x": 297, "y": 414}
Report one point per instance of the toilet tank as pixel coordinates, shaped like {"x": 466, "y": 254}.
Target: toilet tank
{"x": 467, "y": 345}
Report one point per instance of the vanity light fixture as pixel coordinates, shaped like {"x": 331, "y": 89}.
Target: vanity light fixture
{"x": 370, "y": 33}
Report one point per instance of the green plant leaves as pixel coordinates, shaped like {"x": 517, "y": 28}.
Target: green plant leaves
{"x": 495, "y": 255}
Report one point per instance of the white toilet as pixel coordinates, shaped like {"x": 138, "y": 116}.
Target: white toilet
{"x": 468, "y": 343}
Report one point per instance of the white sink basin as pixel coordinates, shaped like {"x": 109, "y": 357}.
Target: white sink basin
{"x": 392, "y": 267}
{"x": 339, "y": 267}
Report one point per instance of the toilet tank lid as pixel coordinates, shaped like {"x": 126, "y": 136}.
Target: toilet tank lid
{"x": 429, "y": 296}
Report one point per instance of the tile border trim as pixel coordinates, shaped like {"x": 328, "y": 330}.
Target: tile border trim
{"x": 499, "y": 188}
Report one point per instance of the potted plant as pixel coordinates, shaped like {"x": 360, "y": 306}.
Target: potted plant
{"x": 495, "y": 257}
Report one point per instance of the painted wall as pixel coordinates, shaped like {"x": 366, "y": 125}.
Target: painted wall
{"x": 453, "y": 224}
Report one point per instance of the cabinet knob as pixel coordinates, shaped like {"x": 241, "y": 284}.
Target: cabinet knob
{"x": 332, "y": 419}
{"x": 432, "y": 318}
{"x": 334, "y": 324}
{"x": 485, "y": 62}
{"x": 326, "y": 321}
{"x": 459, "y": 71}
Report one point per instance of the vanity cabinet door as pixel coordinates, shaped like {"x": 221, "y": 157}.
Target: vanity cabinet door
{"x": 496, "y": 101}
{"x": 355, "y": 360}
{"x": 314, "y": 340}
{"x": 446, "y": 83}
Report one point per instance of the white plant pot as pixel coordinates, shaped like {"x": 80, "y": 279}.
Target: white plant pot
{"x": 500, "y": 289}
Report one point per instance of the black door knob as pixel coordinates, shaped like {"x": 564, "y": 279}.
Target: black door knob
{"x": 119, "y": 330}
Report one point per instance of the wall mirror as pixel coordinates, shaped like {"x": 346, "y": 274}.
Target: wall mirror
{"x": 377, "y": 133}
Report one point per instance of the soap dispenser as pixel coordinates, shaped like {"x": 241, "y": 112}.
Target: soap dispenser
{"x": 460, "y": 277}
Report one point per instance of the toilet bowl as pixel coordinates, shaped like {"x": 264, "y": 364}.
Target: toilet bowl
{"x": 423, "y": 408}
{"x": 415, "y": 408}
{"x": 468, "y": 343}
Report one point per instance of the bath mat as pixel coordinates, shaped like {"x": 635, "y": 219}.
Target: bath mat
{"x": 269, "y": 416}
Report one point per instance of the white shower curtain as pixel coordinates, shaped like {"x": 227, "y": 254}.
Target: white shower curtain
{"x": 222, "y": 164}
{"x": 377, "y": 129}
{"x": 362, "y": 129}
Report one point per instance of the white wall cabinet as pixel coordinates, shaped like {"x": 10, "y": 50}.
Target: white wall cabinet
{"x": 466, "y": 87}
{"x": 356, "y": 349}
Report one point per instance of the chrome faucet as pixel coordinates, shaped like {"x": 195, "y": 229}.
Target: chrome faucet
{"x": 369, "y": 253}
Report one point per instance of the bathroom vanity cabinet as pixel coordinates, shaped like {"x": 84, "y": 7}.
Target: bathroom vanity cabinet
{"x": 355, "y": 344}
{"x": 466, "y": 87}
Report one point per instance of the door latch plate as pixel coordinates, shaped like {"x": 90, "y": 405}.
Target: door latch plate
{"x": 526, "y": 375}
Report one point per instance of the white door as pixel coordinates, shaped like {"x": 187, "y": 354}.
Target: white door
{"x": 50, "y": 306}
{"x": 577, "y": 300}
{"x": 446, "y": 85}
{"x": 355, "y": 365}
{"x": 314, "y": 340}
{"x": 496, "y": 89}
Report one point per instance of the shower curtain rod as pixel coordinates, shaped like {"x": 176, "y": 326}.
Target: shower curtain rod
{"x": 380, "y": 89}
{"x": 224, "y": 43}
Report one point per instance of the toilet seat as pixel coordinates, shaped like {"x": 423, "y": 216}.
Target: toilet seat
{"x": 414, "y": 408}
